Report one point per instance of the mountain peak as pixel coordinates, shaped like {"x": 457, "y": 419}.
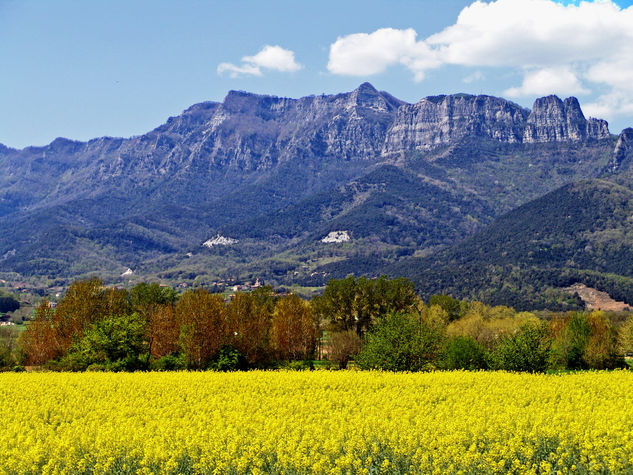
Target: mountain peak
{"x": 555, "y": 120}
{"x": 571, "y": 103}
{"x": 544, "y": 101}
{"x": 366, "y": 87}
{"x": 367, "y": 96}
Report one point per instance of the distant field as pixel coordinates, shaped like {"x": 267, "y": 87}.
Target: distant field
{"x": 316, "y": 422}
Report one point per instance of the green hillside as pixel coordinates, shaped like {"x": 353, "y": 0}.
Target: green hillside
{"x": 582, "y": 232}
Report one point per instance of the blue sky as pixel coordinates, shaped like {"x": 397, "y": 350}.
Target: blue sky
{"x": 120, "y": 68}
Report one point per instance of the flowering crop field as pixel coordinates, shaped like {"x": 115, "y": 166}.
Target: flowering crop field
{"x": 316, "y": 422}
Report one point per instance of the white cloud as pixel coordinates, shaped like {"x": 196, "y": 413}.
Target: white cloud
{"x": 561, "y": 81}
{"x": 236, "y": 71}
{"x": 274, "y": 58}
{"x": 528, "y": 33}
{"x": 616, "y": 71}
{"x": 364, "y": 54}
{"x": 476, "y": 76}
{"x": 615, "y": 103}
{"x": 566, "y": 49}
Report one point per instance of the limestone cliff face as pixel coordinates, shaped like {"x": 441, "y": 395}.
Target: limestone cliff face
{"x": 441, "y": 120}
{"x": 623, "y": 152}
{"x": 597, "y": 129}
{"x": 554, "y": 120}
{"x": 249, "y": 132}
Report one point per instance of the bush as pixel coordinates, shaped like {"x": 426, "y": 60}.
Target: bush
{"x": 6, "y": 359}
{"x": 401, "y": 342}
{"x": 96, "y": 367}
{"x": 464, "y": 352}
{"x": 229, "y": 358}
{"x": 303, "y": 365}
{"x": 527, "y": 350}
{"x": 168, "y": 363}
{"x": 72, "y": 361}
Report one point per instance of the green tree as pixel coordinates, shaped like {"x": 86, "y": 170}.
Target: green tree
{"x": 8, "y": 347}
{"x": 338, "y": 303}
{"x": 464, "y": 352}
{"x": 145, "y": 297}
{"x": 601, "y": 351}
{"x": 528, "y": 350}
{"x": 454, "y": 308}
{"x": 115, "y": 343}
{"x": 585, "y": 340}
{"x": 8, "y": 303}
{"x": 401, "y": 342}
{"x": 357, "y": 304}
{"x": 626, "y": 337}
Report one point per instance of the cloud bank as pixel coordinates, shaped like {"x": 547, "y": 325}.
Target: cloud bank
{"x": 362, "y": 54}
{"x": 273, "y": 58}
{"x": 564, "y": 49}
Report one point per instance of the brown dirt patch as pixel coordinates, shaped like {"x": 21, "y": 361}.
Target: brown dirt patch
{"x": 595, "y": 299}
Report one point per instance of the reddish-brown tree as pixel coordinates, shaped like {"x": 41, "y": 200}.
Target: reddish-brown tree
{"x": 39, "y": 341}
{"x": 86, "y": 302}
{"x": 162, "y": 331}
{"x": 200, "y": 316}
{"x": 293, "y": 331}
{"x": 248, "y": 320}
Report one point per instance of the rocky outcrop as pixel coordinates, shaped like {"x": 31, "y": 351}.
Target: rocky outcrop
{"x": 597, "y": 129}
{"x": 554, "y": 120}
{"x": 250, "y": 132}
{"x": 623, "y": 152}
{"x": 441, "y": 120}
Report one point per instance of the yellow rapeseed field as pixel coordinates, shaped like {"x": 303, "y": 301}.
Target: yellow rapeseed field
{"x": 316, "y": 422}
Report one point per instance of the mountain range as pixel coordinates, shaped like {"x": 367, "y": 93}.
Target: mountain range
{"x": 250, "y": 187}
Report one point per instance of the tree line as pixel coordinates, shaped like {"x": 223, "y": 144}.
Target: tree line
{"x": 370, "y": 323}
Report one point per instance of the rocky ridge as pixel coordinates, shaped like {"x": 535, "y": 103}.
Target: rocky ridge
{"x": 250, "y": 134}
{"x": 276, "y": 172}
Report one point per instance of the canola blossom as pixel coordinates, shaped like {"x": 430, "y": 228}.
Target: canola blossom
{"x": 316, "y": 422}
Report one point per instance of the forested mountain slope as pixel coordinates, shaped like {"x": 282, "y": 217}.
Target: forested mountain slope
{"x": 582, "y": 232}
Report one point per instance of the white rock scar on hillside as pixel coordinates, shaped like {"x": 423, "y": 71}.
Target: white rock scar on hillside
{"x": 219, "y": 240}
{"x": 337, "y": 236}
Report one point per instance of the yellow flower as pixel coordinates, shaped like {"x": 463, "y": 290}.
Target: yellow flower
{"x": 316, "y": 422}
